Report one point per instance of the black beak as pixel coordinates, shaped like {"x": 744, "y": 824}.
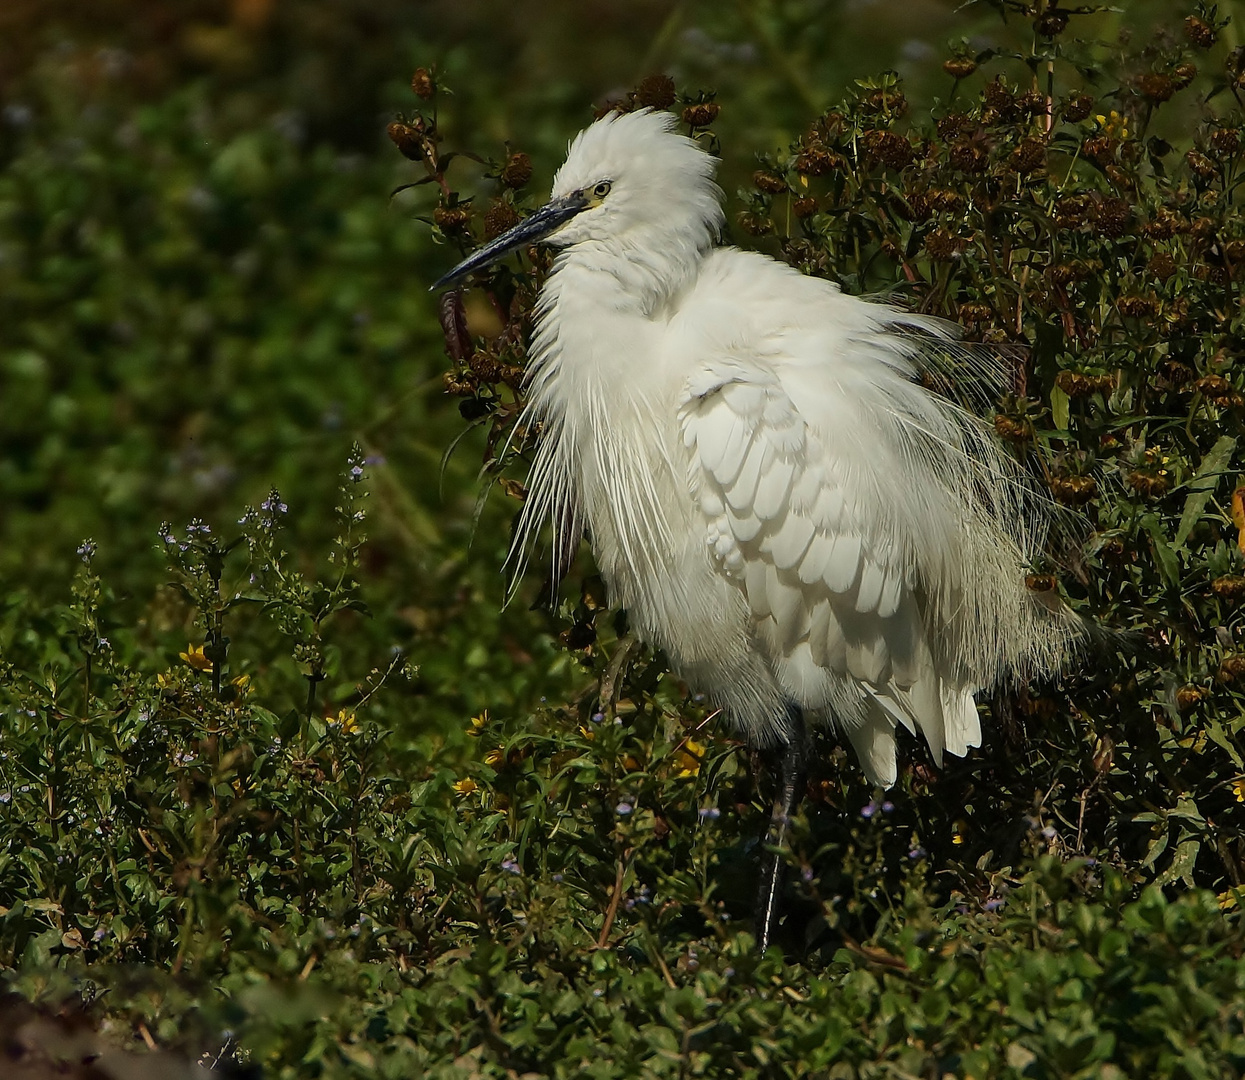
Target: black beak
{"x": 530, "y": 230}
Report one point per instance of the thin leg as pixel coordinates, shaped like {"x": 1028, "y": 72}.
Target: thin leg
{"x": 793, "y": 769}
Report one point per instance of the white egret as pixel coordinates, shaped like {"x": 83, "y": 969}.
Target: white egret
{"x": 770, "y": 493}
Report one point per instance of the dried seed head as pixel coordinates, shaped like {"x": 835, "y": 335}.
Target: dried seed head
{"x": 1072, "y": 211}
{"x": 1155, "y": 86}
{"x": 1225, "y": 141}
{"x": 886, "y": 100}
{"x": 816, "y": 160}
{"x": 655, "y": 92}
{"x": 1011, "y": 429}
{"x": 1150, "y": 484}
{"x": 975, "y": 313}
{"x": 1138, "y": 307}
{"x": 944, "y": 246}
{"x": 892, "y": 150}
{"x": 953, "y": 124}
{"x": 1162, "y": 265}
{"x": 1199, "y": 32}
{"x": 1114, "y": 216}
{"x": 702, "y": 115}
{"x": 959, "y": 67}
{"x": 1040, "y": 582}
{"x": 1189, "y": 696}
{"x": 768, "y": 182}
{"x": 423, "y": 83}
{"x": 1231, "y": 587}
{"x": 804, "y": 208}
{"x": 998, "y": 96}
{"x": 945, "y": 201}
{"x": 1077, "y": 107}
{"x": 1051, "y": 23}
{"x": 517, "y": 170}
{"x": 406, "y": 137}
{"x": 1232, "y": 668}
{"x": 1031, "y": 103}
{"x": 500, "y": 217}
{"x": 485, "y": 366}
{"x": 969, "y": 157}
{"x": 1201, "y": 165}
{"x": 460, "y": 383}
{"x": 1073, "y": 490}
{"x": 1165, "y": 224}
{"x": 452, "y": 219}
{"x": 1100, "y": 149}
{"x": 1183, "y": 74}
{"x": 1028, "y": 157}
{"x": 1217, "y": 389}
{"x": 755, "y": 224}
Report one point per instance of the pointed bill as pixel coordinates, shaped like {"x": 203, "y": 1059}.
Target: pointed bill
{"x": 530, "y": 230}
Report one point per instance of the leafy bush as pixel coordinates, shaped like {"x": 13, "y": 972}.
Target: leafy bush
{"x": 289, "y": 847}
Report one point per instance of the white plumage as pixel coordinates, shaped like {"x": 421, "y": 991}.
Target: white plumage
{"x": 769, "y": 492}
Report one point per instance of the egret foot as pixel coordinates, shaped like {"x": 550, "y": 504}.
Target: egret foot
{"x": 793, "y": 770}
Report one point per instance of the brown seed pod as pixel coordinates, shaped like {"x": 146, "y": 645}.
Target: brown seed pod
{"x": 1232, "y": 668}
{"x": 1028, "y": 157}
{"x": 754, "y": 224}
{"x": 997, "y": 95}
{"x": 1138, "y": 307}
{"x": 460, "y": 383}
{"x": 1162, "y": 265}
{"x": 1224, "y": 141}
{"x": 805, "y": 207}
{"x": 1051, "y": 23}
{"x": 1150, "y": 484}
{"x": 1012, "y": 429}
{"x": 1073, "y": 490}
{"x": 1183, "y": 74}
{"x": 1100, "y": 148}
{"x": 1076, "y": 384}
{"x": 1165, "y": 224}
{"x": 1217, "y": 389}
{"x": 1155, "y": 86}
{"x": 500, "y": 217}
{"x": 1076, "y": 107}
{"x": 769, "y": 182}
{"x": 884, "y": 100}
{"x": 407, "y": 138}
{"x": 892, "y": 150}
{"x": 817, "y": 161}
{"x": 969, "y": 156}
{"x": 1200, "y": 32}
{"x": 944, "y": 246}
{"x": 452, "y": 219}
{"x": 945, "y": 201}
{"x": 1074, "y": 210}
{"x": 1230, "y": 587}
{"x": 517, "y": 171}
{"x": 1201, "y": 165}
{"x": 959, "y": 67}
{"x": 1189, "y": 696}
{"x": 485, "y": 366}
{"x": 974, "y": 313}
{"x": 702, "y": 115}
{"x": 423, "y": 83}
{"x": 1114, "y": 216}
{"x": 1063, "y": 274}
{"x": 953, "y": 124}
{"x": 655, "y": 92}
{"x": 1031, "y": 103}
{"x": 1041, "y": 583}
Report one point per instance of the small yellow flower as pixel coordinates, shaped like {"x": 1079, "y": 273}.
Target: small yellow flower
{"x": 242, "y": 684}
{"x": 195, "y": 658}
{"x": 1228, "y": 900}
{"x": 689, "y": 758}
{"x": 1238, "y": 789}
{"x": 164, "y": 680}
{"x": 346, "y": 721}
{"x": 957, "y": 836}
{"x": 477, "y": 723}
{"x": 587, "y": 733}
{"x": 466, "y": 786}
{"x": 495, "y": 758}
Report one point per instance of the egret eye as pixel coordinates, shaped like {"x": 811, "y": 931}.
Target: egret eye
{"x": 601, "y": 190}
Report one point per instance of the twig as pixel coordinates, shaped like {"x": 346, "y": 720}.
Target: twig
{"x": 615, "y": 899}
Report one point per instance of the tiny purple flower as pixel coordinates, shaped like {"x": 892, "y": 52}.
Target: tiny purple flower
{"x": 510, "y": 866}
{"x": 623, "y": 809}
{"x": 709, "y": 813}
{"x": 869, "y": 809}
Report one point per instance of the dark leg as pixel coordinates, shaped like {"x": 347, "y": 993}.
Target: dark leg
{"x": 793, "y": 768}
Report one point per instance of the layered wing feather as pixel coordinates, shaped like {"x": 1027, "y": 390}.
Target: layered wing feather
{"x": 876, "y": 531}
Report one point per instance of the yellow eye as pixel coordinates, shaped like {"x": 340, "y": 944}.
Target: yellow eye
{"x": 601, "y": 190}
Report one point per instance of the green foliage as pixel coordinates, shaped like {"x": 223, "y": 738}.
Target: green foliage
{"x": 277, "y": 778}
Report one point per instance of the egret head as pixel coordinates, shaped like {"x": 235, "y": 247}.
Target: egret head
{"x": 631, "y": 187}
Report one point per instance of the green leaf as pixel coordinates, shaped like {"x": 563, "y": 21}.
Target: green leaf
{"x": 1059, "y": 408}
{"x": 1203, "y": 485}
{"x": 1164, "y": 555}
